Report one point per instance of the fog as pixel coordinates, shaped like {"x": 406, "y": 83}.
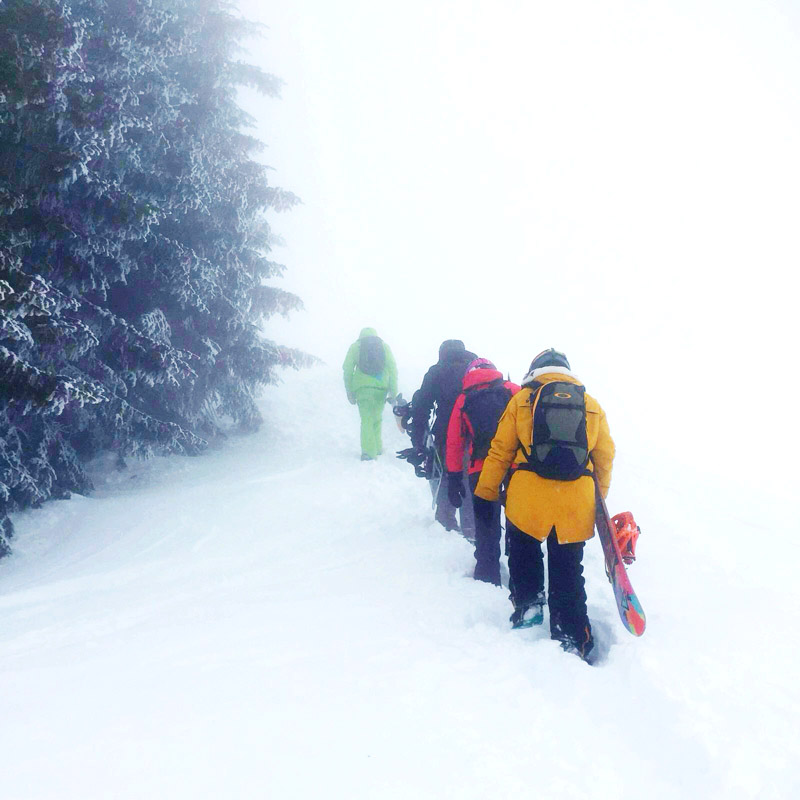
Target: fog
{"x": 615, "y": 180}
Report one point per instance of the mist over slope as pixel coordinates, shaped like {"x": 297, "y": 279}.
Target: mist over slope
{"x": 277, "y": 619}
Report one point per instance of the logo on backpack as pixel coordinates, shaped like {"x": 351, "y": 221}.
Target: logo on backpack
{"x": 483, "y": 406}
{"x": 371, "y": 356}
{"x": 559, "y": 448}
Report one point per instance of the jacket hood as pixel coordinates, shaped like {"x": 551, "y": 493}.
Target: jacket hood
{"x": 451, "y": 348}
{"x": 367, "y": 332}
{"x": 480, "y": 377}
{"x": 547, "y": 372}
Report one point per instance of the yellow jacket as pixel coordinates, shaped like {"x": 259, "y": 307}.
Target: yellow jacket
{"x": 535, "y": 504}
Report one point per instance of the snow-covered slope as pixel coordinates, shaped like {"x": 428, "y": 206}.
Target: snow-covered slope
{"x": 277, "y": 619}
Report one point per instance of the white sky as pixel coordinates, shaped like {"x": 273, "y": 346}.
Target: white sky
{"x": 618, "y": 180}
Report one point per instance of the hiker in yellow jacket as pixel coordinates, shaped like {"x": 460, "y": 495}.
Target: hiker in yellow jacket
{"x": 370, "y": 380}
{"x": 558, "y": 510}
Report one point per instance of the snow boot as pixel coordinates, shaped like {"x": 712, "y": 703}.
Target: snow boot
{"x": 528, "y": 615}
{"x": 580, "y": 646}
{"x": 447, "y": 519}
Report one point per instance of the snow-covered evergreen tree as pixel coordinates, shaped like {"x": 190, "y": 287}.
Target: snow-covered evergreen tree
{"x": 134, "y": 250}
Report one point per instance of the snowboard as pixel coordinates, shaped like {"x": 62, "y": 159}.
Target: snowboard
{"x": 628, "y": 605}
{"x": 434, "y": 469}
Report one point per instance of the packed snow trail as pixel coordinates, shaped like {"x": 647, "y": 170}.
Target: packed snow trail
{"x": 277, "y": 619}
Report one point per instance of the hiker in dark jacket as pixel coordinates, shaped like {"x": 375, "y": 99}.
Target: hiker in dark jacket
{"x": 441, "y": 386}
{"x": 472, "y": 426}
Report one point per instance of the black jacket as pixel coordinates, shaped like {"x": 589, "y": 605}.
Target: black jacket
{"x": 440, "y": 388}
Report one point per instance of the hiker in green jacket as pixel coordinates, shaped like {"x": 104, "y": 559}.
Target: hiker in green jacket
{"x": 370, "y": 380}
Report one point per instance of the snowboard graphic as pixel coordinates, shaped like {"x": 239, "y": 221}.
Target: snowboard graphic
{"x": 628, "y": 605}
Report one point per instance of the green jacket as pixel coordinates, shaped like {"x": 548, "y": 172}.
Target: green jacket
{"x": 355, "y": 379}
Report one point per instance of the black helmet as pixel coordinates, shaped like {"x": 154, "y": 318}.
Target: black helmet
{"x": 549, "y": 358}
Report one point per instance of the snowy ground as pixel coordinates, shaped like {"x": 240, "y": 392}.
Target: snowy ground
{"x": 278, "y": 620}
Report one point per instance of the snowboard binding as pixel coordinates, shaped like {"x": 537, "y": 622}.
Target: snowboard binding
{"x": 627, "y": 533}
{"x": 401, "y": 409}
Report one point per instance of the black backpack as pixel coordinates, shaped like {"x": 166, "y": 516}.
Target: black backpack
{"x": 484, "y": 405}
{"x": 371, "y": 356}
{"x": 559, "y": 448}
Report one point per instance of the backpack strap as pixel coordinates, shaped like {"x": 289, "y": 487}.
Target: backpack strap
{"x": 535, "y": 387}
{"x": 526, "y": 467}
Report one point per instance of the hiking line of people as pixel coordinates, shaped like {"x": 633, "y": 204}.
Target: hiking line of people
{"x": 485, "y": 444}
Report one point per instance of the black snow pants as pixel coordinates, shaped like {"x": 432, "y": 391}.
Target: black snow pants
{"x": 487, "y": 535}
{"x": 446, "y": 513}
{"x": 566, "y": 593}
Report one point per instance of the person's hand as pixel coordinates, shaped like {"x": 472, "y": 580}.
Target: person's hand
{"x": 484, "y": 509}
{"x": 455, "y": 488}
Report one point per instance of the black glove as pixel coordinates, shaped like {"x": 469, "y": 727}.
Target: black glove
{"x": 484, "y": 509}
{"x": 455, "y": 488}
{"x": 414, "y": 455}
